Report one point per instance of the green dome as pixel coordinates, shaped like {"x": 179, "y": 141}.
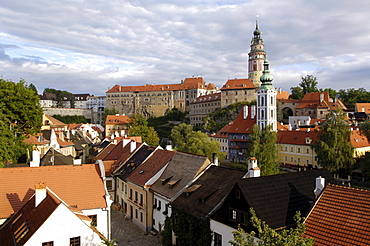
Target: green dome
{"x": 266, "y": 77}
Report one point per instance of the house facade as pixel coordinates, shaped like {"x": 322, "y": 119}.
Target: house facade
{"x": 117, "y": 125}
{"x": 202, "y": 106}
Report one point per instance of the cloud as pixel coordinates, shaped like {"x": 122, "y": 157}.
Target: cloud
{"x": 88, "y": 46}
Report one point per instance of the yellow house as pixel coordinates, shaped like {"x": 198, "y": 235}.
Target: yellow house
{"x": 117, "y": 125}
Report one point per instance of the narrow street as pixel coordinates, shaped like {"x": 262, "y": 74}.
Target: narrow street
{"x": 127, "y": 233}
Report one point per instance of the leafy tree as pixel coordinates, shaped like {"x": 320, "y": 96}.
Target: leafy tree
{"x": 33, "y": 87}
{"x": 195, "y": 142}
{"x": 148, "y": 134}
{"x": 21, "y": 107}
{"x": 262, "y": 146}
{"x": 176, "y": 115}
{"x": 308, "y": 84}
{"x": 332, "y": 93}
{"x": 352, "y": 96}
{"x": 59, "y": 95}
{"x": 334, "y": 149}
{"x": 268, "y": 236}
{"x": 365, "y": 128}
{"x": 138, "y": 120}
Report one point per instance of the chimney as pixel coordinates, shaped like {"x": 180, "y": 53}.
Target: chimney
{"x": 245, "y": 112}
{"x": 125, "y": 141}
{"x": 319, "y": 186}
{"x": 169, "y": 147}
{"x": 215, "y": 159}
{"x": 132, "y": 146}
{"x": 253, "y": 169}
{"x": 35, "y": 158}
{"x": 40, "y": 193}
{"x": 321, "y": 97}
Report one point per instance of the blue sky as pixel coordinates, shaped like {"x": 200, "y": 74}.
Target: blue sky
{"x": 89, "y": 46}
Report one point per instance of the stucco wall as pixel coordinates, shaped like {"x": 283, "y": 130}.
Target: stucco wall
{"x": 69, "y": 111}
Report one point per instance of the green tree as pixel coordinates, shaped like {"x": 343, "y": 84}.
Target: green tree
{"x": 138, "y": 120}
{"x": 332, "y": 93}
{"x": 334, "y": 149}
{"x": 267, "y": 236}
{"x": 365, "y": 128}
{"x": 195, "y": 142}
{"x": 108, "y": 111}
{"x": 59, "y": 95}
{"x": 33, "y": 87}
{"x": 21, "y": 107}
{"x": 296, "y": 93}
{"x": 352, "y": 96}
{"x": 262, "y": 146}
{"x": 148, "y": 134}
{"x": 308, "y": 84}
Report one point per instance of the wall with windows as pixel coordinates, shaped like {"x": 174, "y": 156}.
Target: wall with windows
{"x": 292, "y": 154}
{"x": 222, "y": 233}
{"x": 161, "y": 209}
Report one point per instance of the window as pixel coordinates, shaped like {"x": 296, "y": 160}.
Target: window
{"x": 244, "y": 219}
{"x": 155, "y": 203}
{"x": 285, "y": 158}
{"x": 74, "y": 241}
{"x": 217, "y": 239}
{"x": 159, "y": 205}
{"x": 136, "y": 214}
{"x": 307, "y": 150}
{"x": 141, "y": 217}
{"x": 141, "y": 199}
{"x": 94, "y": 219}
{"x": 109, "y": 184}
{"x": 51, "y": 243}
{"x": 237, "y": 194}
{"x": 130, "y": 194}
{"x": 291, "y": 158}
{"x": 291, "y": 149}
{"x": 136, "y": 195}
{"x": 299, "y": 160}
{"x": 299, "y": 150}
{"x": 233, "y": 214}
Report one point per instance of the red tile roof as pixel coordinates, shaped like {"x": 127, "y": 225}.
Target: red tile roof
{"x": 117, "y": 120}
{"x": 223, "y": 132}
{"x": 363, "y": 107}
{"x": 54, "y": 121}
{"x": 312, "y": 100}
{"x": 234, "y": 84}
{"x": 79, "y": 186}
{"x": 358, "y": 140}
{"x": 208, "y": 98}
{"x": 35, "y": 141}
{"x": 189, "y": 83}
{"x": 151, "y": 166}
{"x": 340, "y": 217}
{"x": 282, "y": 94}
{"x": 242, "y": 125}
{"x": 297, "y": 137}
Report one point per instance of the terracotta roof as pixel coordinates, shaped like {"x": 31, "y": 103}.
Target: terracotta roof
{"x": 235, "y": 84}
{"x": 223, "y": 132}
{"x": 208, "y": 98}
{"x": 189, "y": 83}
{"x": 79, "y": 186}
{"x": 276, "y": 198}
{"x": 282, "y": 94}
{"x": 289, "y": 100}
{"x": 208, "y": 191}
{"x": 182, "y": 168}
{"x": 117, "y": 120}
{"x": 242, "y": 125}
{"x": 109, "y": 167}
{"x": 340, "y": 217}
{"x": 312, "y": 100}
{"x": 297, "y": 137}
{"x": 73, "y": 126}
{"x": 363, "y": 107}
{"x": 358, "y": 140}
{"x": 35, "y": 140}
{"x": 53, "y": 121}
{"x": 106, "y": 151}
{"x": 151, "y": 166}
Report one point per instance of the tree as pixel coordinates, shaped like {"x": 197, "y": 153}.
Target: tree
{"x": 352, "y": 96}
{"x": 21, "y": 107}
{"x": 334, "y": 149}
{"x": 138, "y": 120}
{"x": 33, "y": 87}
{"x": 148, "y": 134}
{"x": 195, "y": 142}
{"x": 308, "y": 84}
{"x": 59, "y": 95}
{"x": 365, "y": 129}
{"x": 262, "y": 146}
{"x": 268, "y": 236}
{"x": 108, "y": 111}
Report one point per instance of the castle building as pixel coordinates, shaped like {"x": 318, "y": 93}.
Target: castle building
{"x": 202, "y": 106}
{"x": 157, "y": 100}
{"x": 241, "y": 90}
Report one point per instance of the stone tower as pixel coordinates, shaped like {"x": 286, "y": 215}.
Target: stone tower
{"x": 256, "y": 55}
{"x": 266, "y": 100}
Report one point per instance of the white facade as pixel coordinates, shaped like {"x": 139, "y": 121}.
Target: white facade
{"x": 161, "y": 209}
{"x": 60, "y": 227}
{"x": 223, "y": 230}
{"x": 266, "y": 107}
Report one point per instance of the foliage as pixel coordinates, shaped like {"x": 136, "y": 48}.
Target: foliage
{"x": 352, "y": 96}
{"x": 70, "y": 119}
{"x": 20, "y": 115}
{"x": 138, "y": 120}
{"x": 109, "y": 242}
{"x": 33, "y": 87}
{"x": 365, "y": 129}
{"x": 308, "y": 84}
{"x": 148, "y": 134}
{"x": 108, "y": 111}
{"x": 262, "y": 146}
{"x": 167, "y": 232}
{"x": 190, "y": 229}
{"x": 176, "y": 115}
{"x": 334, "y": 149}
{"x": 332, "y": 93}
{"x": 268, "y": 236}
{"x": 220, "y": 117}
{"x": 195, "y": 142}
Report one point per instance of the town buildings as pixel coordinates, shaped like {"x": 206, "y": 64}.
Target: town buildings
{"x": 202, "y": 106}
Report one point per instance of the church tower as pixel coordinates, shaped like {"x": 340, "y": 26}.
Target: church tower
{"x": 266, "y": 100}
{"x": 256, "y": 57}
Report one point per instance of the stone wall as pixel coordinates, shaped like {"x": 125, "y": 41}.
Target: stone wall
{"x": 70, "y": 111}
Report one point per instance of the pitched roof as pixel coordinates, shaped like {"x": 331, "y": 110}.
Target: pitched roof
{"x": 313, "y": 100}
{"x": 276, "y": 198}
{"x": 182, "y": 168}
{"x": 53, "y": 121}
{"x": 358, "y": 140}
{"x": 23, "y": 224}
{"x": 208, "y": 98}
{"x": 363, "y": 107}
{"x": 238, "y": 84}
{"x": 151, "y": 166}
{"x": 36, "y": 140}
{"x": 189, "y": 83}
{"x": 117, "y": 120}
{"x": 282, "y": 94}
{"x": 244, "y": 124}
{"x": 223, "y": 132}
{"x": 79, "y": 186}
{"x": 53, "y": 157}
{"x": 297, "y": 137}
{"x": 208, "y": 191}
{"x": 340, "y": 217}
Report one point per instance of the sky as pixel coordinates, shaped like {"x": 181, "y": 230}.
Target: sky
{"x": 88, "y": 46}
